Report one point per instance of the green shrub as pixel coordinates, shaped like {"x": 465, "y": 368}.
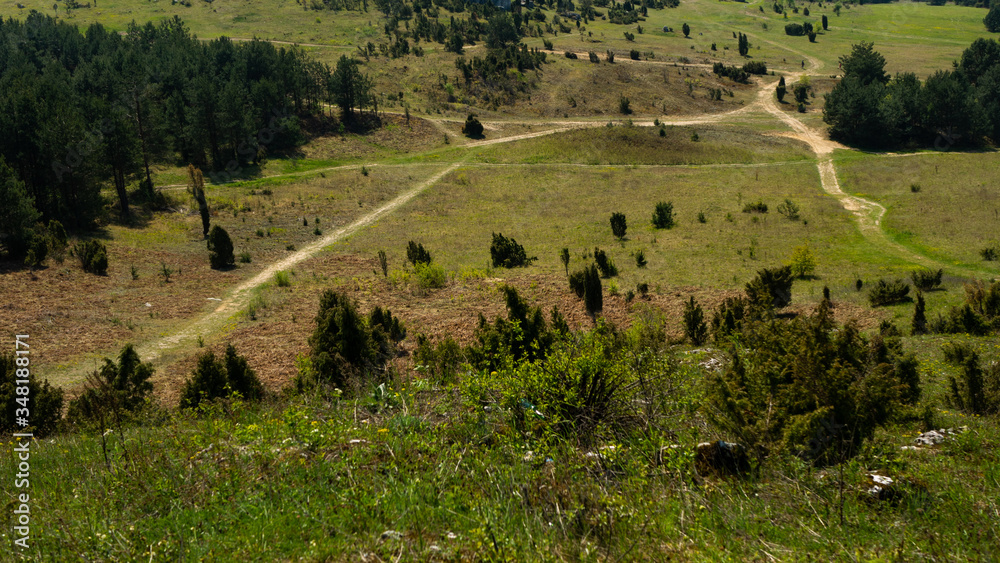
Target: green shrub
{"x": 383, "y": 263}
{"x": 624, "y": 105}
{"x": 795, "y": 29}
{"x": 114, "y": 392}
{"x": 695, "y": 327}
{"x": 472, "y": 128}
{"x": 217, "y": 379}
{"x": 802, "y": 262}
{"x": 789, "y": 209}
{"x": 430, "y": 276}
{"x": 888, "y": 293}
{"x": 618, "y": 225}
{"x": 926, "y": 280}
{"x": 961, "y": 320}
{"x": 640, "y": 259}
{"x": 593, "y": 298}
{"x": 93, "y": 256}
{"x": 383, "y": 320}
{"x": 663, "y": 215}
{"x": 990, "y": 253}
{"x": 44, "y": 402}
{"x": 564, "y": 258}
{"x": 728, "y": 318}
{"x": 220, "y": 248}
{"x": 570, "y": 55}
{"x": 578, "y": 282}
{"x": 523, "y": 335}
{"x": 346, "y": 351}
{"x": 771, "y": 289}
{"x": 755, "y": 67}
{"x": 594, "y": 58}
{"x": 809, "y": 388}
{"x": 977, "y": 389}
{"x": 507, "y": 253}
{"x": 758, "y": 207}
{"x": 440, "y": 363}
{"x": 282, "y": 279}
{"x": 919, "y": 323}
{"x": 416, "y": 254}
{"x": 605, "y": 264}
{"x": 246, "y": 259}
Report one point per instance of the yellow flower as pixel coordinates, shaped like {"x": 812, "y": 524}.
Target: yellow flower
{"x": 383, "y": 430}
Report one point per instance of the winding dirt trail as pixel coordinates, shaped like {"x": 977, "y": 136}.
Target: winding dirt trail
{"x": 240, "y": 296}
{"x": 868, "y": 213}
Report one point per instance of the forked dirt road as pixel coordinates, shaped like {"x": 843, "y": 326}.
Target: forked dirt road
{"x": 868, "y": 213}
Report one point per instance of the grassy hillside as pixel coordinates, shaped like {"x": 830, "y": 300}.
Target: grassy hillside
{"x": 413, "y": 461}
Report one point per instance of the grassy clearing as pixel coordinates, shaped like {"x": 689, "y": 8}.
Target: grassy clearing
{"x": 952, "y": 216}
{"x": 644, "y": 145}
{"x": 547, "y": 208}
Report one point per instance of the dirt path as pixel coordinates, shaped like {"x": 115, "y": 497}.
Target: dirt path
{"x": 239, "y": 297}
{"x": 868, "y": 213}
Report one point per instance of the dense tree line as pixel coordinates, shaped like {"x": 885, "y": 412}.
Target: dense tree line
{"x": 81, "y": 109}
{"x": 959, "y": 107}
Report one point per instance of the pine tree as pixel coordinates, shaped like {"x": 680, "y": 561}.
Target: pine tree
{"x": 593, "y": 299}
{"x": 220, "y": 248}
{"x": 197, "y": 189}
{"x": 919, "y": 324}
{"x": 695, "y": 327}
{"x": 780, "y": 91}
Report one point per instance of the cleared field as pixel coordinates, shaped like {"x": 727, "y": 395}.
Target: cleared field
{"x": 547, "y": 208}
{"x": 644, "y": 145}
{"x": 943, "y": 205}
{"x": 265, "y": 226}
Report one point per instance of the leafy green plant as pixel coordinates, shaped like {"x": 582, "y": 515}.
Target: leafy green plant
{"x": 113, "y": 392}
{"x": 93, "y": 256}
{"x": 417, "y": 254}
{"x": 755, "y": 207}
{"x": 640, "y": 259}
{"x": 430, "y": 276}
{"x": 605, "y": 264}
{"x": 216, "y": 379}
{"x": 802, "y": 262}
{"x": 618, "y": 225}
{"x": 472, "y": 128}
{"x": 442, "y": 362}
{"x": 220, "y": 248}
{"x": 888, "y": 293}
{"x": 663, "y": 215}
{"x": 926, "y": 280}
{"x": 282, "y": 279}
{"x": 695, "y": 327}
{"x": 836, "y": 387}
{"x": 383, "y": 263}
{"x": 789, "y": 209}
{"x": 507, "y": 253}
